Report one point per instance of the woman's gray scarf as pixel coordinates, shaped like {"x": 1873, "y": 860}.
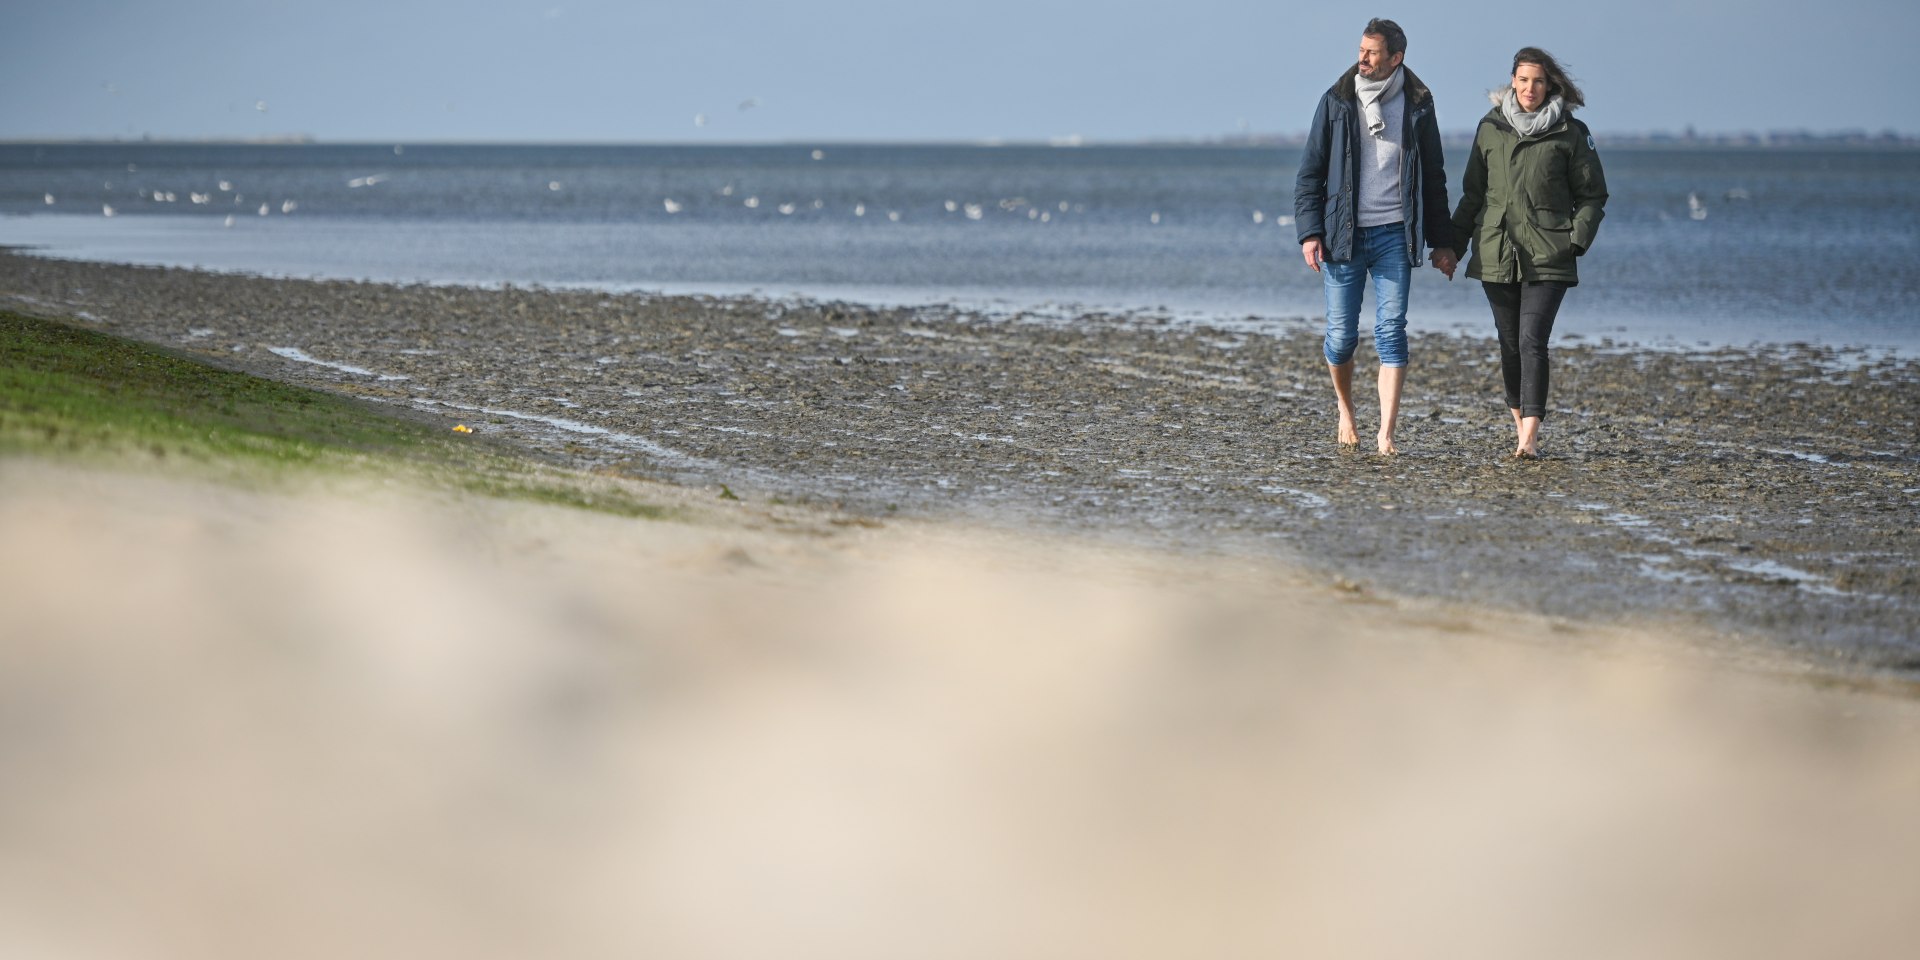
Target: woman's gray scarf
{"x": 1535, "y": 123}
{"x": 1375, "y": 92}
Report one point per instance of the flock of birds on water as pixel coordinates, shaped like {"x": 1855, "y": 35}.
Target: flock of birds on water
{"x": 1696, "y": 208}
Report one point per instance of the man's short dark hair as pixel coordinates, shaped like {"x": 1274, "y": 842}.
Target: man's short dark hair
{"x": 1388, "y": 31}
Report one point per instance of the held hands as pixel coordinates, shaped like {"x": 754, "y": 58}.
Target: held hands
{"x": 1312, "y": 251}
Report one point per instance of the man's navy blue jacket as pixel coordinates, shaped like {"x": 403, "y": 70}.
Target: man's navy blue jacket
{"x": 1326, "y": 190}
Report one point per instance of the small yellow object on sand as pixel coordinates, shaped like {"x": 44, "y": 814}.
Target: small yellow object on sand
{"x": 462, "y": 428}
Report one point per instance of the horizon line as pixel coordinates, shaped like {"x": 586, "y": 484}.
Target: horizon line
{"x": 1690, "y": 135}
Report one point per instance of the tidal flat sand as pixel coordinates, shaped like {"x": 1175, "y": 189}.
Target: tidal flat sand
{"x": 1764, "y": 494}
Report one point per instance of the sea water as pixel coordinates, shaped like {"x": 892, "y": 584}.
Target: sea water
{"x": 1700, "y": 246}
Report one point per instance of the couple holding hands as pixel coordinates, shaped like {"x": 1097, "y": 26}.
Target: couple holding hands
{"x": 1371, "y": 195}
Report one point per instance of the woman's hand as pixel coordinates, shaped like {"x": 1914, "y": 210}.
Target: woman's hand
{"x": 1444, "y": 260}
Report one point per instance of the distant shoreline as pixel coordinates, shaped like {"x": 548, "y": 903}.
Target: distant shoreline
{"x": 1790, "y": 139}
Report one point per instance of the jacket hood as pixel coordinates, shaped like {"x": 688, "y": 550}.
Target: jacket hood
{"x": 1416, "y": 91}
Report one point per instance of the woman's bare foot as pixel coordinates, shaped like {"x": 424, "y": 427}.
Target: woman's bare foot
{"x": 1528, "y": 445}
{"x": 1385, "y": 443}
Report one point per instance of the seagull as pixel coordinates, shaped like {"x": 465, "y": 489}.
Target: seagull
{"x": 260, "y": 105}
{"x": 289, "y": 206}
{"x": 786, "y": 209}
{"x": 893, "y": 216}
{"x": 699, "y": 119}
{"x": 229, "y": 222}
{"x": 553, "y": 185}
{"x": 226, "y": 186}
{"x": 1155, "y": 218}
{"x": 751, "y": 202}
{"x": 819, "y": 154}
{"x": 749, "y": 103}
{"x": 49, "y": 199}
{"x": 106, "y": 210}
{"x": 1259, "y": 217}
{"x": 1695, "y": 208}
{"x": 859, "y": 209}
{"x": 973, "y": 211}
{"x": 671, "y": 205}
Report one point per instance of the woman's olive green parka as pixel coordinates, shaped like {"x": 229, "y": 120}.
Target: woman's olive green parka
{"x": 1530, "y": 205}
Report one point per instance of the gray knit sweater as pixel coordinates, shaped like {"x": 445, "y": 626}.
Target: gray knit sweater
{"x": 1379, "y": 162}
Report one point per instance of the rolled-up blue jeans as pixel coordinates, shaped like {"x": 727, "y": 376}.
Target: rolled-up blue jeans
{"x": 1380, "y": 251}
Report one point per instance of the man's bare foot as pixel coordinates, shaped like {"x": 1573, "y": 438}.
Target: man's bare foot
{"x": 1385, "y": 443}
{"x": 1349, "y": 434}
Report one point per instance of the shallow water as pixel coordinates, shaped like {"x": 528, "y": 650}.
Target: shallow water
{"x": 1792, "y": 245}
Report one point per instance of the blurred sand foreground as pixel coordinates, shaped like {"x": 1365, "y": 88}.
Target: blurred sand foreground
{"x": 350, "y": 723}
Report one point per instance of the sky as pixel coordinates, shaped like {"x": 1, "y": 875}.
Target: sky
{"x": 907, "y": 70}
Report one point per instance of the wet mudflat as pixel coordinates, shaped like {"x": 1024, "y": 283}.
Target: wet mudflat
{"x": 1769, "y": 493}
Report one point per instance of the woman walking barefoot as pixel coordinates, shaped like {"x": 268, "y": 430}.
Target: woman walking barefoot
{"x": 1531, "y": 203}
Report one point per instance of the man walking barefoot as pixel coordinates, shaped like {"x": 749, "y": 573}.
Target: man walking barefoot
{"x": 1370, "y": 195}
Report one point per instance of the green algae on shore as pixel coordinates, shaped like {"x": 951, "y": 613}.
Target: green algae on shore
{"x": 71, "y": 393}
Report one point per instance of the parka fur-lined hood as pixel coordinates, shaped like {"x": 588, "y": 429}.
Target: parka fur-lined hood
{"x": 1415, "y": 90}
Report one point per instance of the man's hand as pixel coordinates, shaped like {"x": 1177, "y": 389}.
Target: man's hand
{"x": 1445, "y": 261}
{"x": 1313, "y": 253}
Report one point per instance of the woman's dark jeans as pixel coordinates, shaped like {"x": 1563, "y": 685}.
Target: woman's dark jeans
{"x": 1524, "y": 314}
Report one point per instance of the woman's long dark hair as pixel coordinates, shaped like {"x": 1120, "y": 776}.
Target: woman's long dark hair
{"x": 1557, "y": 80}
